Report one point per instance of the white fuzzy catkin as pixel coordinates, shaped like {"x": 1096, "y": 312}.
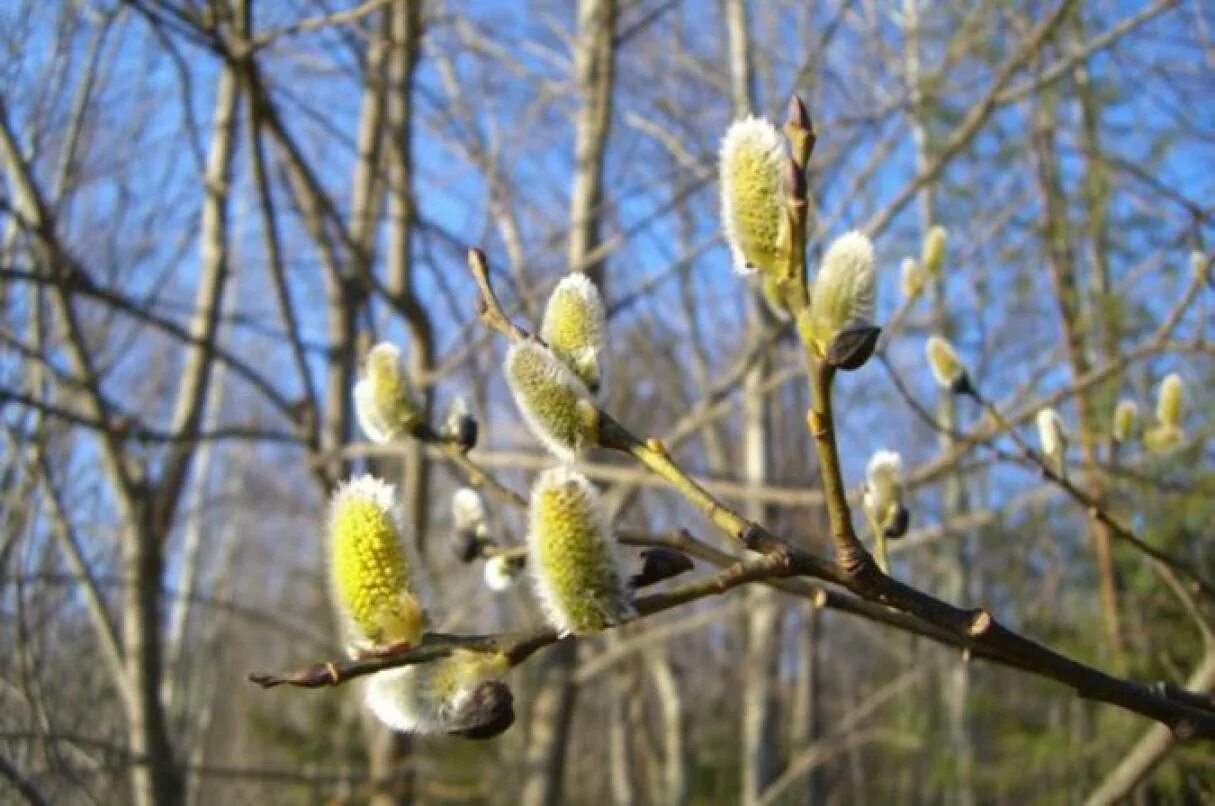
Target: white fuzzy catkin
{"x": 468, "y": 512}
{"x": 500, "y": 573}
{"x": 884, "y": 482}
{"x": 943, "y": 360}
{"x": 845, "y": 290}
{"x": 427, "y": 698}
{"x": 554, "y": 402}
{"x": 382, "y": 402}
{"x": 1170, "y": 400}
{"x": 912, "y": 278}
{"x": 751, "y": 165}
{"x": 575, "y": 325}
{"x": 1052, "y": 439}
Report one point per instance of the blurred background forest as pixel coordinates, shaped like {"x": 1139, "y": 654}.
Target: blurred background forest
{"x": 210, "y": 208}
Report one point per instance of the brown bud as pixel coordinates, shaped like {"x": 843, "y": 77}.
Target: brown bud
{"x": 487, "y": 712}
{"x": 796, "y": 116}
{"x": 851, "y": 348}
{"x": 659, "y": 564}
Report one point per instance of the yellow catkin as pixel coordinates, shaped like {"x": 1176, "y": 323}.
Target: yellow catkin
{"x": 1170, "y": 400}
{"x": 943, "y": 360}
{"x": 554, "y": 402}
{"x": 574, "y": 327}
{"x": 382, "y": 400}
{"x": 751, "y": 164}
{"x": 368, "y": 570}
{"x": 571, "y": 558}
{"x": 912, "y": 278}
{"x": 932, "y": 258}
{"x": 1126, "y": 413}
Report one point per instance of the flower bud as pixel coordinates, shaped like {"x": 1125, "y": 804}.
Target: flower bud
{"x": 1167, "y": 435}
{"x": 752, "y": 164}
{"x": 382, "y": 401}
{"x": 468, "y": 512}
{"x": 912, "y": 278}
{"x": 844, "y": 291}
{"x": 446, "y": 695}
{"x": 1052, "y": 440}
{"x": 501, "y": 571}
{"x": 1169, "y": 400}
{"x": 947, "y": 368}
{"x": 1199, "y": 265}
{"x": 883, "y": 500}
{"x": 1163, "y": 439}
{"x": 574, "y": 326}
{"x": 459, "y": 426}
{"x": 554, "y": 402}
{"x": 572, "y": 561}
{"x": 1125, "y": 415}
{"x": 369, "y": 575}
{"x": 932, "y": 257}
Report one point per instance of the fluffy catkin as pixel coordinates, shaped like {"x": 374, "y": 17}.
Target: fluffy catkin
{"x": 554, "y": 402}
{"x": 1126, "y": 413}
{"x": 845, "y": 290}
{"x": 571, "y": 557}
{"x": 574, "y": 327}
{"x": 932, "y": 259}
{"x": 430, "y": 697}
{"x": 369, "y": 574}
{"x": 947, "y": 368}
{"x": 884, "y": 488}
{"x": 753, "y": 214}
{"x": 382, "y": 401}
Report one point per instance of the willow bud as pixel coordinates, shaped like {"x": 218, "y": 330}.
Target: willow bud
{"x": 1199, "y": 265}
{"x": 468, "y": 512}
{"x": 574, "y": 326}
{"x": 844, "y": 292}
{"x": 912, "y": 277}
{"x": 752, "y": 164}
{"x": 459, "y": 426}
{"x": 1167, "y": 435}
{"x": 369, "y": 575}
{"x": 1170, "y": 400}
{"x": 447, "y": 695}
{"x": 501, "y": 571}
{"x": 382, "y": 400}
{"x": 883, "y": 500}
{"x": 572, "y": 561}
{"x": 554, "y": 402}
{"x": 932, "y": 257}
{"x": 1052, "y": 440}
{"x": 1125, "y": 415}
{"x": 947, "y": 368}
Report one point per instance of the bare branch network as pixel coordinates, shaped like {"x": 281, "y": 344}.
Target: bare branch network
{"x": 777, "y": 562}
